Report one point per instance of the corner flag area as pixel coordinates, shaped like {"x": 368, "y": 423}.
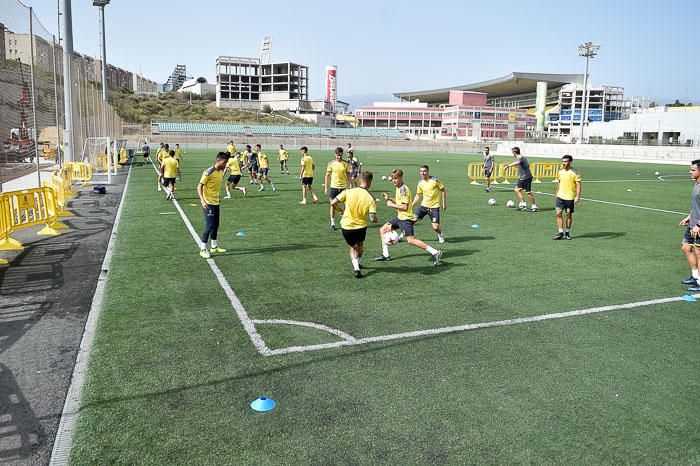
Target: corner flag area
{"x": 515, "y": 349}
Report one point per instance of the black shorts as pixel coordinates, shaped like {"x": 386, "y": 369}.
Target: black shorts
{"x": 488, "y": 172}
{"x": 168, "y": 181}
{"x": 307, "y": 181}
{"x": 432, "y": 212}
{"x": 354, "y": 173}
{"x": 333, "y": 192}
{"x": 283, "y": 163}
{"x": 353, "y": 237}
{"x": 405, "y": 225}
{"x": 525, "y": 185}
{"x": 688, "y": 239}
{"x": 566, "y": 205}
{"x": 264, "y": 171}
{"x": 234, "y": 179}
{"x": 253, "y": 167}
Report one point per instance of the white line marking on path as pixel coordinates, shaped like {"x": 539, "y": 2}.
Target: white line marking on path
{"x": 325, "y": 328}
{"x": 461, "y": 328}
{"x": 167, "y": 213}
{"x": 632, "y": 206}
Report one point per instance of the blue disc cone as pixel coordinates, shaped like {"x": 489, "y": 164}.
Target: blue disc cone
{"x": 689, "y": 298}
{"x": 475, "y": 226}
{"x": 240, "y": 233}
{"x": 263, "y": 404}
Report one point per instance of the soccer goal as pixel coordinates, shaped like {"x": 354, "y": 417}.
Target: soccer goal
{"x": 100, "y": 153}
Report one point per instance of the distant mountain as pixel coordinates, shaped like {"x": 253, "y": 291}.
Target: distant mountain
{"x": 357, "y": 101}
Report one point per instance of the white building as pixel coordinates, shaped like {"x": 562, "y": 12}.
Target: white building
{"x": 660, "y": 125}
{"x": 198, "y": 86}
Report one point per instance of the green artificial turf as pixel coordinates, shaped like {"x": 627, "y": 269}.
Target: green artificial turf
{"x": 172, "y": 370}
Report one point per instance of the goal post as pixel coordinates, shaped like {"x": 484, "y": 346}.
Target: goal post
{"x": 100, "y": 153}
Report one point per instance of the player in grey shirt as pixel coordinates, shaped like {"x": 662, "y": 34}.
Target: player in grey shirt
{"x": 524, "y": 180}
{"x": 488, "y": 167}
{"x": 691, "y": 239}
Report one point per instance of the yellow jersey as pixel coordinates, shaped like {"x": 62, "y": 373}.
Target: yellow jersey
{"x": 234, "y": 165}
{"x": 358, "y": 203}
{"x": 170, "y": 166}
{"x": 244, "y": 158}
{"x": 308, "y": 163}
{"x": 211, "y": 180}
{"x": 231, "y": 149}
{"x": 567, "y": 183}
{"x": 263, "y": 161}
{"x": 177, "y": 154}
{"x": 430, "y": 189}
{"x": 159, "y": 154}
{"x": 339, "y": 171}
{"x": 284, "y": 155}
{"x": 403, "y": 196}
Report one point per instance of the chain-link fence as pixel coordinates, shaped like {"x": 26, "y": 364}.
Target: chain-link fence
{"x": 32, "y": 106}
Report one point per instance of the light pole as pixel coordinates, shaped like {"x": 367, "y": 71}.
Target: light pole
{"x": 588, "y": 50}
{"x": 101, "y": 4}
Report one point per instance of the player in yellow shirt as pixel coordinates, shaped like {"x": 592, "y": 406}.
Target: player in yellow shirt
{"x": 404, "y": 219}
{"x": 339, "y": 173}
{"x": 233, "y": 166}
{"x": 263, "y": 168}
{"x": 283, "y": 157}
{"x": 433, "y": 191}
{"x": 358, "y": 204}
{"x": 306, "y": 175}
{"x": 163, "y": 149}
{"x": 568, "y": 194}
{"x": 209, "y": 190}
{"x": 170, "y": 168}
{"x": 231, "y": 149}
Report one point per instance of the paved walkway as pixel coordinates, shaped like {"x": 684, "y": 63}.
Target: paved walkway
{"x": 45, "y": 296}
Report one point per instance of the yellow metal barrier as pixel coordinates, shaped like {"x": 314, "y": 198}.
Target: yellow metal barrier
{"x": 475, "y": 171}
{"x": 26, "y": 208}
{"x": 545, "y": 170}
{"x": 80, "y": 171}
{"x": 507, "y": 175}
{"x": 122, "y": 156}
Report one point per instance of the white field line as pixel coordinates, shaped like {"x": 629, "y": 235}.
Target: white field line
{"x": 325, "y": 328}
{"x": 461, "y": 328}
{"x": 66, "y": 427}
{"x": 632, "y": 181}
{"x": 632, "y": 206}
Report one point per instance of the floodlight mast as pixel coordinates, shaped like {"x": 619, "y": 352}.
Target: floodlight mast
{"x": 101, "y": 4}
{"x": 588, "y": 50}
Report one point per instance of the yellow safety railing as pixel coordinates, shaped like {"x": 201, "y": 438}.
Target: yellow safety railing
{"x": 475, "y": 171}
{"x": 27, "y": 208}
{"x": 545, "y": 170}
{"x": 507, "y": 175}
{"x": 80, "y": 171}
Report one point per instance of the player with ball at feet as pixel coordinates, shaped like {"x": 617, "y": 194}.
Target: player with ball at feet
{"x": 404, "y": 219}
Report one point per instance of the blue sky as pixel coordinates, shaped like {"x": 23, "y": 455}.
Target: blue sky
{"x": 383, "y": 47}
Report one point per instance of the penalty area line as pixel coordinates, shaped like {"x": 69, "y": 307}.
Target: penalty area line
{"x": 462, "y": 328}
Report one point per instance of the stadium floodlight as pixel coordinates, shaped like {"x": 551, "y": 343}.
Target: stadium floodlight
{"x": 588, "y": 50}
{"x": 101, "y": 4}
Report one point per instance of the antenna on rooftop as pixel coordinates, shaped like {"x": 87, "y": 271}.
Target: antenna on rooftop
{"x": 265, "y": 50}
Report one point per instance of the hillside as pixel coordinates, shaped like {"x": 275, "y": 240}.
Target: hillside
{"x": 178, "y": 107}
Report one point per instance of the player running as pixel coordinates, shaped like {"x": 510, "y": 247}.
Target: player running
{"x": 233, "y": 166}
{"x": 170, "y": 168}
{"x": 253, "y": 166}
{"x": 339, "y": 172}
{"x": 358, "y": 204}
{"x": 162, "y": 153}
{"x": 433, "y": 191}
{"x": 306, "y": 175}
{"x": 355, "y": 167}
{"x": 264, "y": 170}
{"x": 283, "y": 157}
{"x": 404, "y": 220}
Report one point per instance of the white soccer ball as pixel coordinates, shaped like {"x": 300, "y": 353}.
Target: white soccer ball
{"x": 384, "y": 177}
{"x": 391, "y": 237}
{"x": 657, "y": 173}
{"x": 492, "y": 201}
{"x": 510, "y": 203}
{"x": 438, "y": 161}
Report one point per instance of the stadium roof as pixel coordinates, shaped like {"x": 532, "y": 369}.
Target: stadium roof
{"x": 512, "y": 84}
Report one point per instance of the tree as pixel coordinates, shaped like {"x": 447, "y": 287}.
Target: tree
{"x": 266, "y": 109}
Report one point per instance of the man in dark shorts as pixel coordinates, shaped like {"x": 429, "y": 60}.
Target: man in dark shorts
{"x": 146, "y": 153}
{"x": 691, "y": 239}
{"x": 253, "y": 167}
{"x": 355, "y": 167}
{"x": 306, "y": 175}
{"x": 524, "y": 180}
{"x": 404, "y": 220}
{"x": 233, "y": 168}
{"x": 170, "y": 168}
{"x": 489, "y": 163}
{"x": 339, "y": 173}
{"x": 358, "y": 204}
{"x": 568, "y": 194}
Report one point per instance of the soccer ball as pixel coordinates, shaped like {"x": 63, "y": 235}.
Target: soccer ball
{"x": 391, "y": 237}
{"x": 492, "y": 201}
{"x": 510, "y": 203}
{"x": 384, "y": 177}
{"x": 657, "y": 173}
{"x": 438, "y": 161}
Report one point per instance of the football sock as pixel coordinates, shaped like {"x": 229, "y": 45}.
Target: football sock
{"x": 385, "y": 250}
{"x": 214, "y": 244}
{"x": 561, "y": 230}
{"x": 694, "y": 273}
{"x": 431, "y": 250}
{"x": 356, "y": 264}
